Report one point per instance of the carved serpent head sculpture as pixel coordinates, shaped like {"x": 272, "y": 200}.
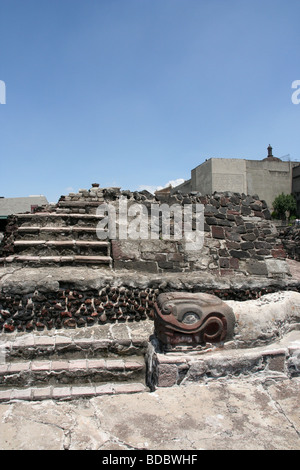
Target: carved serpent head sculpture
{"x": 192, "y": 319}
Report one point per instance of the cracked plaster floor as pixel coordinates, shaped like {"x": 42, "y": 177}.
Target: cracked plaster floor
{"x": 223, "y": 414}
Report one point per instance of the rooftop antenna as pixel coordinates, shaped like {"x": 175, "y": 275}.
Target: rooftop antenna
{"x": 286, "y": 157}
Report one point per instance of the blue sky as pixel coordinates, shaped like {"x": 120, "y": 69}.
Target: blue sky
{"x": 135, "y": 93}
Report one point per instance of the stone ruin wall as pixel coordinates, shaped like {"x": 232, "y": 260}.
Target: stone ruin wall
{"x": 239, "y": 236}
{"x": 290, "y": 238}
{"x": 72, "y": 305}
{"x": 239, "y": 240}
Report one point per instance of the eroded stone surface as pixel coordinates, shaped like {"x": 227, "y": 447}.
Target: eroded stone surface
{"x": 241, "y": 414}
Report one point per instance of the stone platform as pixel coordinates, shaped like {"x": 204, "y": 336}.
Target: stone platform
{"x": 84, "y": 354}
{"x": 278, "y": 360}
{"x": 48, "y": 297}
{"x": 123, "y": 357}
{"x": 74, "y": 363}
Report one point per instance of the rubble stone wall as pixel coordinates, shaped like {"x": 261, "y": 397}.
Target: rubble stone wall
{"x": 290, "y": 239}
{"x": 239, "y": 236}
{"x": 70, "y": 306}
{"x": 239, "y": 241}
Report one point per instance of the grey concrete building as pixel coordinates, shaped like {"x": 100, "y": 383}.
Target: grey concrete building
{"x": 18, "y": 205}
{"x": 267, "y": 177}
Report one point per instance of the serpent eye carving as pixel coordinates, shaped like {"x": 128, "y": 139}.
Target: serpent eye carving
{"x": 190, "y": 317}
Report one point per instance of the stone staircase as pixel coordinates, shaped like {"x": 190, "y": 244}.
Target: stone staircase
{"x": 59, "y": 367}
{"x": 60, "y": 234}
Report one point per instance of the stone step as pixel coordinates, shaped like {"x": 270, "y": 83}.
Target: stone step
{"x": 64, "y": 346}
{"x": 55, "y": 214}
{"x": 274, "y": 361}
{"x": 40, "y": 260}
{"x": 77, "y": 371}
{"x": 56, "y": 229}
{"x": 82, "y": 204}
{"x": 37, "y": 216}
{"x": 26, "y": 234}
{"x": 62, "y": 243}
{"x": 68, "y": 364}
{"x": 70, "y": 392}
{"x": 64, "y": 233}
{"x": 52, "y": 251}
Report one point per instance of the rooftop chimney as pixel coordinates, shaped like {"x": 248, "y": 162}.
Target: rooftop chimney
{"x": 270, "y": 151}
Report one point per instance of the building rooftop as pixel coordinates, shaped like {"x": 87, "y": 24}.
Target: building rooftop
{"x": 18, "y": 205}
{"x": 270, "y": 157}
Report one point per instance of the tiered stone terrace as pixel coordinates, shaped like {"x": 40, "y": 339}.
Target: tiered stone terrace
{"x": 58, "y": 277}
{"x": 60, "y": 234}
{"x": 239, "y": 236}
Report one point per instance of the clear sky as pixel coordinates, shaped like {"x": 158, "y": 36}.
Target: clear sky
{"x": 136, "y": 93}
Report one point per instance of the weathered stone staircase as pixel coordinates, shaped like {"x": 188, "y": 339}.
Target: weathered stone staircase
{"x": 60, "y": 234}
{"x": 61, "y": 367}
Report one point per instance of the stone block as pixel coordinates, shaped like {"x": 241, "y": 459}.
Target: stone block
{"x": 147, "y": 266}
{"x": 278, "y": 253}
{"x": 247, "y": 245}
{"x": 128, "y": 388}
{"x": 240, "y": 229}
{"x": 167, "y": 375}
{"x": 166, "y": 265}
{"x": 21, "y": 394}
{"x": 158, "y": 246}
{"x": 267, "y": 214}
{"x": 239, "y": 254}
{"x": 105, "y": 389}
{"x": 245, "y": 210}
{"x": 256, "y": 206}
{"x": 234, "y": 263}
{"x": 277, "y": 268}
{"x": 232, "y": 245}
{"x": 263, "y": 252}
{"x": 258, "y": 214}
{"x": 224, "y": 223}
{"x": 175, "y": 257}
{"x": 239, "y": 220}
{"x": 249, "y": 236}
{"x": 5, "y": 395}
{"x": 258, "y": 268}
{"x": 232, "y": 235}
{"x": 40, "y": 366}
{"x": 83, "y": 391}
{"x": 277, "y": 363}
{"x": 42, "y": 393}
{"x": 210, "y": 210}
{"x": 218, "y": 232}
{"x": 211, "y": 220}
{"x": 150, "y": 256}
{"x": 224, "y": 262}
{"x": 125, "y": 250}
{"x": 233, "y": 212}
